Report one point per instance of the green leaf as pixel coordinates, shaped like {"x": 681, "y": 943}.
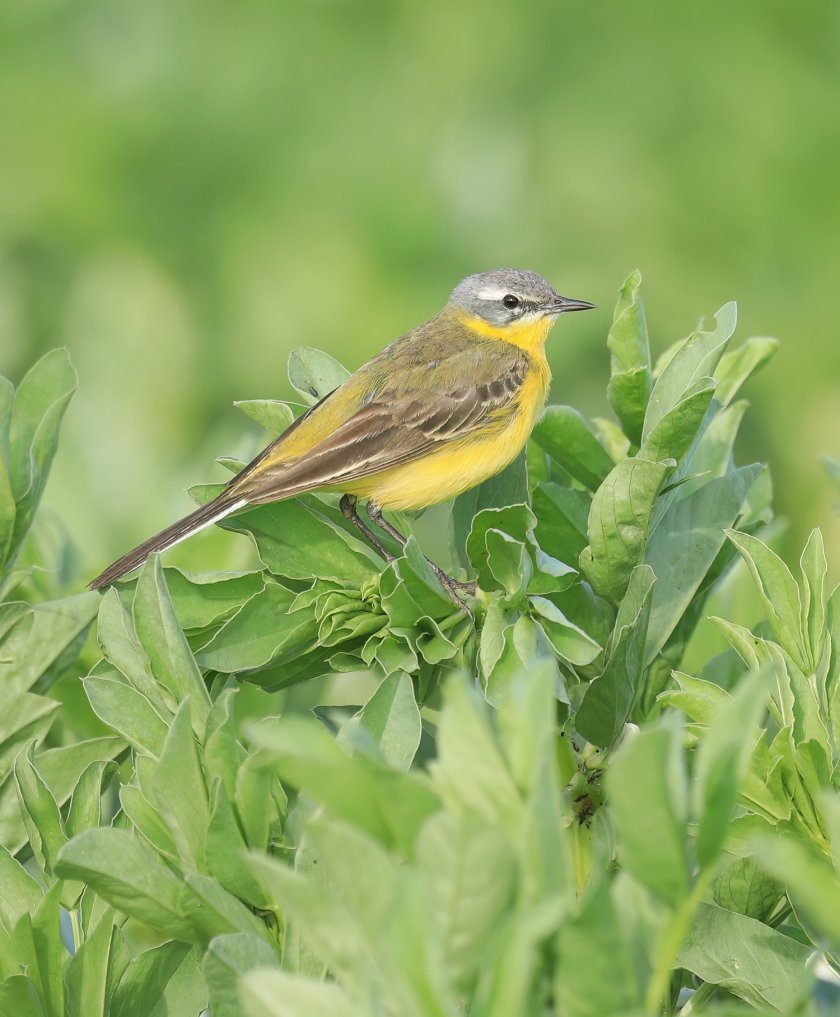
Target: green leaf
{"x": 562, "y": 515}
{"x": 508, "y": 565}
{"x": 609, "y": 699}
{"x": 389, "y": 905}
{"x": 180, "y": 792}
{"x": 698, "y": 699}
{"x": 272, "y": 414}
{"x": 596, "y": 975}
{"x": 392, "y": 719}
{"x": 40, "y": 812}
{"x": 19, "y": 996}
{"x": 7, "y": 497}
{"x": 228, "y": 958}
{"x": 160, "y": 634}
{"x": 225, "y": 847}
{"x": 49, "y": 951}
{"x": 267, "y": 630}
{"x": 697, "y": 357}
{"x": 145, "y": 979}
{"x": 297, "y": 539}
{"x": 315, "y": 914}
{"x": 506, "y": 556}
{"x": 507, "y": 986}
{"x": 126, "y": 711}
{"x": 812, "y": 884}
{"x": 39, "y": 406}
{"x": 469, "y": 869}
{"x": 470, "y": 773}
{"x": 19, "y": 893}
{"x": 630, "y": 382}
{"x": 568, "y": 640}
{"x": 410, "y": 591}
{"x": 648, "y": 789}
{"x": 509, "y": 487}
{"x": 498, "y": 621}
{"x": 34, "y": 647}
{"x": 267, "y": 993}
{"x": 87, "y": 972}
{"x": 124, "y": 871}
{"x": 25, "y": 718}
{"x": 146, "y": 819}
{"x": 618, "y": 524}
{"x": 204, "y": 600}
{"x": 745, "y": 888}
{"x": 120, "y": 646}
{"x": 564, "y": 434}
{"x": 814, "y": 567}
{"x": 736, "y": 366}
{"x": 354, "y": 788}
{"x": 315, "y": 374}
{"x": 215, "y": 912}
{"x": 509, "y": 650}
{"x": 722, "y": 760}
{"x": 672, "y": 435}
{"x": 35, "y": 948}
{"x": 526, "y": 725}
{"x": 60, "y": 769}
{"x": 186, "y": 991}
{"x": 778, "y": 591}
{"x": 712, "y": 455}
{"x": 85, "y": 804}
{"x": 681, "y": 553}
{"x": 751, "y": 960}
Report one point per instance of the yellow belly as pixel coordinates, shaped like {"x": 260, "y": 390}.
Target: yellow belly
{"x": 458, "y": 467}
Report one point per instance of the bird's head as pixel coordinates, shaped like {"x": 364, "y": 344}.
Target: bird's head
{"x": 510, "y": 303}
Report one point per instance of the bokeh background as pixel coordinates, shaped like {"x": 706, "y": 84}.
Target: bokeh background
{"x": 189, "y": 190}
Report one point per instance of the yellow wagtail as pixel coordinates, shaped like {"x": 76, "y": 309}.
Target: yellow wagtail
{"x": 444, "y": 407}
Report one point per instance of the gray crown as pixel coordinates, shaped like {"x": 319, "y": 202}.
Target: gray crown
{"x": 482, "y": 294}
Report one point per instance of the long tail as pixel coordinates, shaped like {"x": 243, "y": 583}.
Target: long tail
{"x": 186, "y": 527}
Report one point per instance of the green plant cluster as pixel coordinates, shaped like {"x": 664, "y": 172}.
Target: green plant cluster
{"x": 533, "y": 811}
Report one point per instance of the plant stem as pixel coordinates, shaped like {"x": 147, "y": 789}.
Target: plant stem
{"x": 76, "y": 928}
{"x": 582, "y": 854}
{"x": 701, "y": 996}
{"x": 672, "y": 941}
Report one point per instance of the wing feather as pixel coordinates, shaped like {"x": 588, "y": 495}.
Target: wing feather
{"x": 393, "y": 429}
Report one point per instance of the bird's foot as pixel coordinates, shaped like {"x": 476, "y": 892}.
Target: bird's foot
{"x": 348, "y": 510}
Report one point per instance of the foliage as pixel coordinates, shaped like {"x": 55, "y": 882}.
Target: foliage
{"x": 323, "y": 174}
{"x": 532, "y": 811}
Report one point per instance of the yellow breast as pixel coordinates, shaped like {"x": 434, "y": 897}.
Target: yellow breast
{"x": 458, "y": 467}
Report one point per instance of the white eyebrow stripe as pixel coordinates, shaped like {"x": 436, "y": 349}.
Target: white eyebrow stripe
{"x": 492, "y": 293}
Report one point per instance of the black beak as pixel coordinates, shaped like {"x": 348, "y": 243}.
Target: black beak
{"x": 562, "y": 304}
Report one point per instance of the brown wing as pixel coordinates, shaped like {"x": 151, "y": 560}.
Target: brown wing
{"x": 398, "y": 427}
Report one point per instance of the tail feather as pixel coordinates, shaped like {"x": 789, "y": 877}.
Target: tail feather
{"x": 186, "y": 527}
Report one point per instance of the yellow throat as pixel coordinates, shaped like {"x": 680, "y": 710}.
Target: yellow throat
{"x": 529, "y": 336}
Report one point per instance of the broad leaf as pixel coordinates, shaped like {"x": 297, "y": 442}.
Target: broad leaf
{"x": 648, "y": 789}
{"x": 609, "y": 699}
{"x": 564, "y": 434}
{"x": 751, "y": 960}
{"x": 314, "y": 373}
{"x": 618, "y": 524}
{"x": 630, "y": 383}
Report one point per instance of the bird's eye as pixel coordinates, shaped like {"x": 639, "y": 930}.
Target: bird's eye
{"x": 510, "y": 301}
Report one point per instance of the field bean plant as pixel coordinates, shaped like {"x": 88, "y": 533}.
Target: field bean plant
{"x": 537, "y": 808}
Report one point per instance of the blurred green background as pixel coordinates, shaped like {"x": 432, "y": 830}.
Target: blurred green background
{"x": 189, "y": 190}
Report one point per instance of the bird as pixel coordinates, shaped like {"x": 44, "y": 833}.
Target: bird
{"x": 439, "y": 410}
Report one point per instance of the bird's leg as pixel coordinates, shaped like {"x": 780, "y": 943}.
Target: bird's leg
{"x": 348, "y": 510}
{"x": 375, "y": 513}
{"x": 450, "y": 585}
